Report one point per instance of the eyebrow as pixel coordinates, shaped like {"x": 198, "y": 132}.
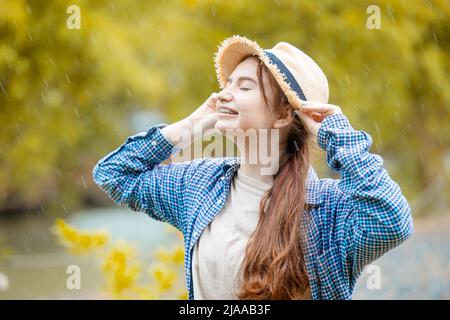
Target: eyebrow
{"x": 242, "y": 79}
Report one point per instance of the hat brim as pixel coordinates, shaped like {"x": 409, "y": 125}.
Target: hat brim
{"x": 232, "y": 50}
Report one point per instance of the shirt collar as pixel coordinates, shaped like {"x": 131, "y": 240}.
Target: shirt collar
{"x": 313, "y": 194}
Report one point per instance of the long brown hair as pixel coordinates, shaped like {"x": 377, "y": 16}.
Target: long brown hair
{"x": 274, "y": 264}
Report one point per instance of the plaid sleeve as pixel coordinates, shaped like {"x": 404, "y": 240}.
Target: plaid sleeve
{"x": 372, "y": 215}
{"x": 132, "y": 175}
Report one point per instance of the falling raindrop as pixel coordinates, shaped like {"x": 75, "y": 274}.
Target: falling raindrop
{"x": 391, "y": 14}
{"x": 83, "y": 181}
{"x": 27, "y": 249}
{"x": 52, "y": 62}
{"x": 421, "y": 156}
{"x": 378, "y": 129}
{"x": 128, "y": 92}
{"x": 387, "y": 85}
{"x": 64, "y": 208}
{"x": 213, "y": 11}
{"x": 409, "y": 125}
{"x": 3, "y": 89}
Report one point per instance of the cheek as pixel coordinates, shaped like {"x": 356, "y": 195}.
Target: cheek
{"x": 253, "y": 113}
{"x": 255, "y": 118}
{"x": 251, "y": 103}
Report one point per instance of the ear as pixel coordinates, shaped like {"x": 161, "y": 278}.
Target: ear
{"x": 283, "y": 122}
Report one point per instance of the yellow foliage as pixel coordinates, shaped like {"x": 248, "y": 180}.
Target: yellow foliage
{"x": 121, "y": 266}
{"x": 5, "y": 252}
{"x": 165, "y": 277}
{"x": 120, "y": 272}
{"x": 80, "y": 241}
{"x": 175, "y": 256}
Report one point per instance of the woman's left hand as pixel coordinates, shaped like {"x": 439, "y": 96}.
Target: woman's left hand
{"x": 313, "y": 113}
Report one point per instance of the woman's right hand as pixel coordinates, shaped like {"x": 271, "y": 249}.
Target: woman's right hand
{"x": 205, "y": 115}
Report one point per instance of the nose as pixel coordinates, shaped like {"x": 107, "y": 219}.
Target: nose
{"x": 223, "y": 96}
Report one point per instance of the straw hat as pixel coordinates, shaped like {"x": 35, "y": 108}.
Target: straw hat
{"x": 297, "y": 74}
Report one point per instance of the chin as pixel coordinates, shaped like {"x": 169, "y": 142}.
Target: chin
{"x": 225, "y": 127}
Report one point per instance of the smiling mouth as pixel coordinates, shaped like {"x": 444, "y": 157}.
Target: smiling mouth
{"x": 226, "y": 111}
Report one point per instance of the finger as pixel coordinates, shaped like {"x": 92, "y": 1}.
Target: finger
{"x": 310, "y": 112}
{"x": 311, "y": 102}
{"x": 309, "y": 117}
{"x": 318, "y": 108}
{"x": 317, "y": 103}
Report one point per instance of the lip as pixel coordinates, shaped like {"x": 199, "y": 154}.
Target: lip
{"x": 228, "y": 108}
{"x": 219, "y": 114}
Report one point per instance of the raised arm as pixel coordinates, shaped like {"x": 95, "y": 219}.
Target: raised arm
{"x": 133, "y": 175}
{"x": 372, "y": 216}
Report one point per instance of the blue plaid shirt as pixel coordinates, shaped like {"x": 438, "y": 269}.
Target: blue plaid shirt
{"x": 353, "y": 220}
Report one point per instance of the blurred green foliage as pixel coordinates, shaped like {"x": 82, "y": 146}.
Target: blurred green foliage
{"x": 65, "y": 94}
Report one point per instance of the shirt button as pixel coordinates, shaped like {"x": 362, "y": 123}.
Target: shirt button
{"x": 341, "y": 149}
{"x": 219, "y": 201}
{"x": 153, "y": 143}
{"x": 222, "y": 178}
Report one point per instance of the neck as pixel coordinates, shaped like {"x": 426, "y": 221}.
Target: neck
{"x": 260, "y": 160}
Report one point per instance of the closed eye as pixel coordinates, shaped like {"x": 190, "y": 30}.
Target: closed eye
{"x": 245, "y": 89}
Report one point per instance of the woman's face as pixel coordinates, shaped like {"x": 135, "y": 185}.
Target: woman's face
{"x": 243, "y": 95}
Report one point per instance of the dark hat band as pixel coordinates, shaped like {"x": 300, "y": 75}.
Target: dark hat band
{"x": 289, "y": 77}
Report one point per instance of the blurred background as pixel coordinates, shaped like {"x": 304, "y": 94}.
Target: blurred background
{"x": 78, "y": 77}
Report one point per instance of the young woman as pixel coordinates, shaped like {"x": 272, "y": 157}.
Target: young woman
{"x": 250, "y": 235}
